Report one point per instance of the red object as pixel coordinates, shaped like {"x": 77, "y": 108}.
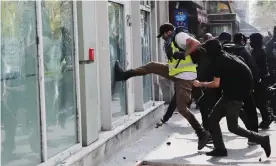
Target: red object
{"x": 91, "y": 54}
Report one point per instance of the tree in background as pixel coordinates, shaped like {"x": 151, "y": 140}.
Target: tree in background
{"x": 263, "y": 15}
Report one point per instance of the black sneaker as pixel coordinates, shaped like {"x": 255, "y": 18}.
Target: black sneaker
{"x": 119, "y": 73}
{"x": 203, "y": 139}
{"x": 160, "y": 123}
{"x": 217, "y": 153}
{"x": 265, "y": 124}
{"x": 266, "y": 145}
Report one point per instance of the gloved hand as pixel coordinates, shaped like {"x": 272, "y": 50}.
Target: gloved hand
{"x": 179, "y": 55}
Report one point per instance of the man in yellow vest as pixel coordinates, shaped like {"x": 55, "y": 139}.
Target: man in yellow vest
{"x": 180, "y": 69}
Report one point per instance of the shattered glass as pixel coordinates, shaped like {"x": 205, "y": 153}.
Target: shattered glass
{"x": 117, "y": 52}
{"x": 20, "y": 132}
{"x": 60, "y": 91}
{"x": 146, "y": 54}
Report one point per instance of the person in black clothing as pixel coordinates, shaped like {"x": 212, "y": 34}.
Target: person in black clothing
{"x": 249, "y": 116}
{"x": 260, "y": 94}
{"x": 270, "y": 49}
{"x": 225, "y": 38}
{"x": 235, "y": 79}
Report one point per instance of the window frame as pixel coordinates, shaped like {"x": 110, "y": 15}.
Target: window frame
{"x": 115, "y": 123}
{"x": 147, "y": 8}
{"x": 45, "y": 160}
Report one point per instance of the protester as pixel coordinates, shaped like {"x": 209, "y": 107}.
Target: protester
{"x": 260, "y": 88}
{"x": 235, "y": 79}
{"x": 250, "y": 118}
{"x": 180, "y": 69}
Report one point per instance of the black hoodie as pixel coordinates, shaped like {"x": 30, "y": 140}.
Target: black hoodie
{"x": 243, "y": 53}
{"x": 259, "y": 54}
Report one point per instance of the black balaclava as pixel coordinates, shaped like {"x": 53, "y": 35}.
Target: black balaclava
{"x": 256, "y": 40}
{"x": 213, "y": 48}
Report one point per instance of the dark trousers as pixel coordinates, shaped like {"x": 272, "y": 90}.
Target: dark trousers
{"x": 249, "y": 114}
{"x": 206, "y": 104}
{"x": 261, "y": 98}
{"x": 170, "y": 110}
{"x": 231, "y": 110}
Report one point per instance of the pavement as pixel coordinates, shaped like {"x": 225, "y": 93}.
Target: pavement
{"x": 175, "y": 144}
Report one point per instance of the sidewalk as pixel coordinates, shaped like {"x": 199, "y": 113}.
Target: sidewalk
{"x": 153, "y": 147}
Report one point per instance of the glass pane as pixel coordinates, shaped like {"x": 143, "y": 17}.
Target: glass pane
{"x": 20, "y": 132}
{"x": 146, "y": 54}
{"x": 60, "y": 95}
{"x": 117, "y": 52}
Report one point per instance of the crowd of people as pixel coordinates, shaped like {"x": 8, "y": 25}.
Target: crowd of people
{"x": 226, "y": 77}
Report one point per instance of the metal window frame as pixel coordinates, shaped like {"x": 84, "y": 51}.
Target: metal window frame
{"x": 123, "y": 118}
{"x": 147, "y": 9}
{"x": 77, "y": 147}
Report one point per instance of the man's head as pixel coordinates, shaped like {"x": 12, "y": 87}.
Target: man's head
{"x": 207, "y": 36}
{"x": 240, "y": 39}
{"x": 213, "y": 48}
{"x": 165, "y": 31}
{"x": 256, "y": 40}
{"x": 225, "y": 37}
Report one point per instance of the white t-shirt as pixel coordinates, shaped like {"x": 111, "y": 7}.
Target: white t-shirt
{"x": 181, "y": 39}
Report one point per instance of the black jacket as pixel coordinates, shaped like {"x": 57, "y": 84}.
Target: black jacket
{"x": 245, "y": 55}
{"x": 271, "y": 58}
{"x": 260, "y": 57}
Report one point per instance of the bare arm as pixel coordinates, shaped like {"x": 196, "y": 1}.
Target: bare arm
{"x": 213, "y": 84}
{"x": 192, "y": 45}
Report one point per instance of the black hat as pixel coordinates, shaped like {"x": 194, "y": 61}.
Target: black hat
{"x": 225, "y": 36}
{"x": 165, "y": 28}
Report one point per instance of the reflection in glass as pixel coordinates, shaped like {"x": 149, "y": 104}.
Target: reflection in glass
{"x": 217, "y": 29}
{"x": 60, "y": 96}
{"x": 20, "y": 136}
{"x": 117, "y": 52}
{"x": 146, "y": 54}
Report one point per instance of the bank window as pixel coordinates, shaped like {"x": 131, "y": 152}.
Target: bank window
{"x": 29, "y": 128}
{"x": 60, "y": 99}
{"x": 146, "y": 51}
{"x": 117, "y": 53}
{"x": 20, "y": 131}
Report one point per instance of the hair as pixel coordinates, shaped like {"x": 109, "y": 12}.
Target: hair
{"x": 225, "y": 36}
{"x": 238, "y": 38}
{"x": 256, "y": 40}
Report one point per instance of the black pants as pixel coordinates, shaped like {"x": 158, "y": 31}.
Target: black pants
{"x": 206, "y": 104}
{"x": 170, "y": 110}
{"x": 249, "y": 114}
{"x": 261, "y": 98}
{"x": 230, "y": 109}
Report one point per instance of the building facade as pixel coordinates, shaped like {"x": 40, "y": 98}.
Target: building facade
{"x": 222, "y": 18}
{"x": 60, "y": 104}
{"x": 190, "y": 15}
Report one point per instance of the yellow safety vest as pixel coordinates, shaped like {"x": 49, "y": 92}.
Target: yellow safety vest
{"x": 186, "y": 65}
